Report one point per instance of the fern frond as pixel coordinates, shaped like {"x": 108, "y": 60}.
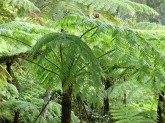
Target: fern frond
{"x": 137, "y": 41}
{"x": 25, "y": 26}
{"x": 22, "y": 106}
{"x": 107, "y": 9}
{"x": 114, "y": 6}
{"x": 25, "y": 5}
{"x": 149, "y": 26}
{"x": 75, "y": 64}
{"x": 23, "y": 33}
{"x": 129, "y": 114}
{"x": 4, "y": 75}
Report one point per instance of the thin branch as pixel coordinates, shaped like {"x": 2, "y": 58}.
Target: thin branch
{"x": 45, "y": 106}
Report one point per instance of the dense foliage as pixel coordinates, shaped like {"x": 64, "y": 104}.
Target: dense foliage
{"x": 82, "y": 61}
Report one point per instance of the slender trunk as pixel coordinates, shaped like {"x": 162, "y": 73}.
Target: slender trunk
{"x": 16, "y": 117}
{"x": 66, "y": 105}
{"x": 125, "y": 94}
{"x": 106, "y": 106}
{"x": 160, "y": 108}
{"x": 7, "y": 121}
{"x": 107, "y": 84}
{"x": 8, "y": 69}
{"x": 125, "y": 98}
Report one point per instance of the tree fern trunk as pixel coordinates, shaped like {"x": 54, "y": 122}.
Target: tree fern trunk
{"x": 66, "y": 105}
{"x": 125, "y": 99}
{"x": 8, "y": 69}
{"x": 160, "y": 108}
{"x": 107, "y": 84}
{"x": 7, "y": 121}
{"x": 16, "y": 117}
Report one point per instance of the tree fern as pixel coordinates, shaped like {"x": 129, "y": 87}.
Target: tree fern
{"x": 135, "y": 55}
{"x": 72, "y": 41}
{"x": 69, "y": 64}
{"x": 131, "y": 54}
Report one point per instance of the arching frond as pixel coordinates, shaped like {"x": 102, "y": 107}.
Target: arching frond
{"x": 115, "y": 6}
{"x": 149, "y": 26}
{"x": 128, "y": 114}
{"x": 69, "y": 57}
{"x": 104, "y": 10}
{"x": 23, "y": 106}
{"x": 23, "y": 33}
{"x": 129, "y": 44}
{"x": 25, "y": 5}
{"x": 25, "y": 26}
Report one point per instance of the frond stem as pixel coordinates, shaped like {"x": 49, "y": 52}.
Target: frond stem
{"x": 106, "y": 53}
{"x": 42, "y": 67}
{"x": 88, "y": 31}
{"x": 16, "y": 40}
{"x": 52, "y": 63}
{"x": 96, "y": 58}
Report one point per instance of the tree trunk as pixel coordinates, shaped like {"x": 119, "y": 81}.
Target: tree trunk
{"x": 125, "y": 98}
{"x": 16, "y": 117}
{"x": 66, "y": 105}
{"x": 7, "y": 121}
{"x": 8, "y": 69}
{"x": 107, "y": 84}
{"x": 106, "y": 106}
{"x": 160, "y": 108}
